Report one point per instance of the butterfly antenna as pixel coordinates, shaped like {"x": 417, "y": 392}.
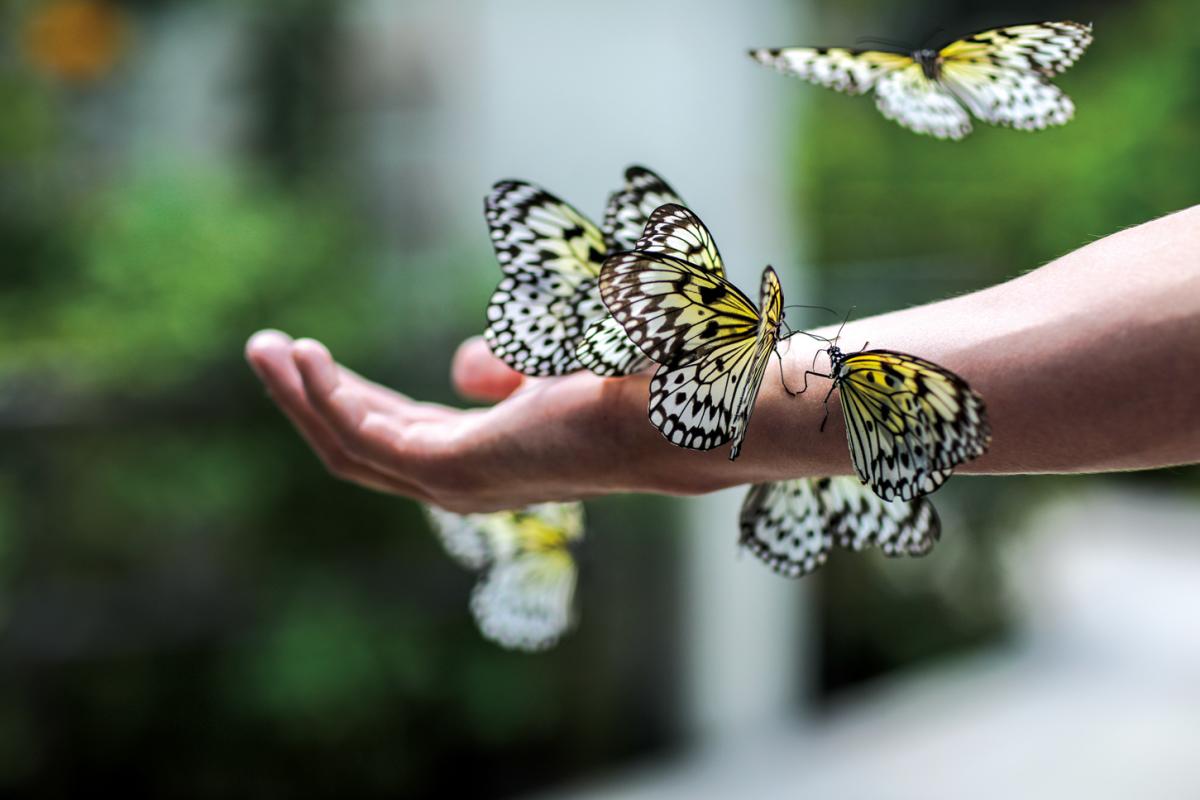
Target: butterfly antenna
{"x": 819, "y": 308}
{"x": 935, "y": 32}
{"x": 843, "y": 325}
{"x": 904, "y": 46}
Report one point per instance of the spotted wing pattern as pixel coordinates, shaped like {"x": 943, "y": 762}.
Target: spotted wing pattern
{"x": 525, "y": 599}
{"x": 1000, "y": 75}
{"x": 909, "y": 422}
{"x": 792, "y": 525}
{"x": 551, "y": 256}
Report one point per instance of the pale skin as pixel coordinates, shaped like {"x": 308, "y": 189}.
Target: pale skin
{"x": 1088, "y": 364}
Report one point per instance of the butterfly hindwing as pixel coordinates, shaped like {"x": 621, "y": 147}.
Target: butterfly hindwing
{"x": 909, "y": 422}
{"x": 908, "y": 97}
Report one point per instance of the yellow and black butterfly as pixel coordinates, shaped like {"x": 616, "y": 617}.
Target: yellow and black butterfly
{"x": 792, "y": 525}
{"x": 551, "y": 256}
{"x": 909, "y": 422}
{"x": 525, "y": 599}
{"x": 713, "y": 344}
{"x": 1002, "y": 76}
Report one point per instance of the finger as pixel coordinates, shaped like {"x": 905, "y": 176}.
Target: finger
{"x": 479, "y": 375}
{"x": 383, "y": 400}
{"x": 369, "y": 437}
{"x": 270, "y": 356}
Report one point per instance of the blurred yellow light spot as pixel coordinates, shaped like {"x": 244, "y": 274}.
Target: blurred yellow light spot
{"x": 75, "y": 40}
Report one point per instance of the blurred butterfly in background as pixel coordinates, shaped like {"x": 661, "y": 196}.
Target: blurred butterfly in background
{"x": 713, "y": 344}
{"x": 792, "y": 525}
{"x": 551, "y": 256}
{"x": 909, "y": 422}
{"x": 525, "y": 599}
{"x": 1002, "y": 76}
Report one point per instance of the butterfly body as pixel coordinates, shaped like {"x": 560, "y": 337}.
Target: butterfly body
{"x": 1000, "y": 76}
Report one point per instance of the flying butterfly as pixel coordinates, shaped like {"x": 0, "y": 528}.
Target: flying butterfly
{"x": 525, "y": 599}
{"x": 551, "y": 255}
{"x": 1001, "y": 75}
{"x": 712, "y": 343}
{"x": 909, "y": 422}
{"x": 792, "y": 525}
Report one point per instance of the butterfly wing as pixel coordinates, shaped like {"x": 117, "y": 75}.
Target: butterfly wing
{"x": 909, "y": 98}
{"x": 842, "y": 69}
{"x": 791, "y": 525}
{"x": 672, "y": 230}
{"x": 705, "y": 334}
{"x": 629, "y": 208}
{"x": 858, "y": 519}
{"x": 786, "y": 525}
{"x": 909, "y": 422}
{"x": 551, "y": 256}
{"x": 1046, "y": 48}
{"x": 462, "y": 536}
{"x": 525, "y": 601}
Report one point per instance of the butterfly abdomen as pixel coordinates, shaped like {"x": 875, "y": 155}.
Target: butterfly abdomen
{"x": 931, "y": 63}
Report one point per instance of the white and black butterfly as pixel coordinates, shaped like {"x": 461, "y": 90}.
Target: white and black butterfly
{"x": 792, "y": 525}
{"x": 1001, "y": 75}
{"x": 551, "y": 256}
{"x": 525, "y": 599}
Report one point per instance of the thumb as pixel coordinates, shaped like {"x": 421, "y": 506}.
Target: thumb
{"x": 479, "y": 375}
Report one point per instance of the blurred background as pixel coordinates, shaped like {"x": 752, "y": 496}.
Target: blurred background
{"x": 190, "y": 606}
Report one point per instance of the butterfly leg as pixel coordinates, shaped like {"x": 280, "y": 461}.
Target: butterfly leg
{"x": 783, "y": 380}
{"x": 826, "y": 401}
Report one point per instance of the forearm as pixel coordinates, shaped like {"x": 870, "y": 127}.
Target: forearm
{"x": 1090, "y": 363}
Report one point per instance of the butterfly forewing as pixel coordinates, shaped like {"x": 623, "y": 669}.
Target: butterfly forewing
{"x": 846, "y": 70}
{"x": 671, "y": 308}
{"x": 1047, "y": 48}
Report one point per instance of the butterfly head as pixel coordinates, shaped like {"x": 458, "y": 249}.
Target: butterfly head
{"x": 930, "y": 61}
{"x": 836, "y": 357}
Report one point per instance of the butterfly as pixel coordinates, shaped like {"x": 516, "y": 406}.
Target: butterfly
{"x": 1002, "y": 76}
{"x": 525, "y": 599}
{"x": 792, "y": 525}
{"x": 551, "y": 256}
{"x": 909, "y": 422}
{"x": 712, "y": 343}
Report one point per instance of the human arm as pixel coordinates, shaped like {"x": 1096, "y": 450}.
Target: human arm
{"x": 1089, "y": 363}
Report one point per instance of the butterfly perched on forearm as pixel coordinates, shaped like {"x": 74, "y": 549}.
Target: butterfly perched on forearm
{"x": 1001, "y": 75}
{"x": 712, "y": 343}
